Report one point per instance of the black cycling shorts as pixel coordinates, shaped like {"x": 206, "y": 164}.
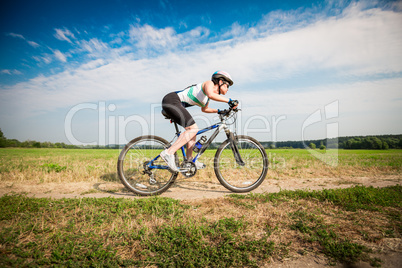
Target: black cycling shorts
{"x": 174, "y": 108}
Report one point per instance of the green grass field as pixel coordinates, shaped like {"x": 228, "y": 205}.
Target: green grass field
{"x": 343, "y": 225}
{"x": 64, "y": 165}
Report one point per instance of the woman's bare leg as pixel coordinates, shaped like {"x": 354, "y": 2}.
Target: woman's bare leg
{"x": 190, "y": 145}
{"x": 187, "y": 136}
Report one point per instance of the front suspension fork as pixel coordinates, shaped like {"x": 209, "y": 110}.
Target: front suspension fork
{"x": 233, "y": 145}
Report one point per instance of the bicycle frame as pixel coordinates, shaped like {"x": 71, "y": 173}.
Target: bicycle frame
{"x": 218, "y": 126}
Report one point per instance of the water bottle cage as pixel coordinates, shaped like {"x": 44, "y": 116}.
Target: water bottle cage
{"x": 199, "y": 144}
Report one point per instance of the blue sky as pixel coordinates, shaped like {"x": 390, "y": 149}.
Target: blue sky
{"x": 79, "y": 72}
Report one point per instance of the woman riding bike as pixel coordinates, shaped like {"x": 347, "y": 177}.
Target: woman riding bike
{"x": 175, "y": 103}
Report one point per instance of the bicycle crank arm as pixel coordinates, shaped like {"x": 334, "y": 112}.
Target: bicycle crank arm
{"x": 188, "y": 169}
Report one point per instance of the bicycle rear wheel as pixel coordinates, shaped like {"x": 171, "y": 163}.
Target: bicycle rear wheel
{"x": 134, "y": 171}
{"x": 241, "y": 178}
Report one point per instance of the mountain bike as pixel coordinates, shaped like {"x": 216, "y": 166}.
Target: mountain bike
{"x": 240, "y": 162}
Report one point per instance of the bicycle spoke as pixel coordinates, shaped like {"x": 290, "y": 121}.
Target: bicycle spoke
{"x": 241, "y": 178}
{"x": 136, "y": 170}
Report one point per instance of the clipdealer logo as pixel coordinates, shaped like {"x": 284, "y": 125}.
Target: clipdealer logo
{"x": 329, "y": 114}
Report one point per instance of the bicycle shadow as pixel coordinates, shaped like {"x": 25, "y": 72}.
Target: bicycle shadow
{"x": 194, "y": 185}
{"x": 110, "y": 177}
{"x": 114, "y": 186}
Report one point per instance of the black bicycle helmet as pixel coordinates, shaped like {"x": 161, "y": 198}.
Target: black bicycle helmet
{"x": 223, "y": 75}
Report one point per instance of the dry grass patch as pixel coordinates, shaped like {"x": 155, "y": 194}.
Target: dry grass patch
{"x": 300, "y": 226}
{"x": 239, "y": 230}
{"x": 75, "y": 165}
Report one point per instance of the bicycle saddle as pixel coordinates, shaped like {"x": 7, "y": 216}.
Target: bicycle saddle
{"x": 166, "y": 115}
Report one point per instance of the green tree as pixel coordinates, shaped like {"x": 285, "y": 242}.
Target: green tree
{"x": 312, "y": 146}
{"x": 322, "y": 146}
{"x": 36, "y": 144}
{"x": 377, "y": 143}
{"x": 12, "y": 143}
{"x": 357, "y": 143}
{"x": 3, "y": 140}
{"x": 385, "y": 146}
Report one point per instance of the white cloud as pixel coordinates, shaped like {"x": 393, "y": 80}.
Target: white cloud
{"x": 94, "y": 46}
{"x": 45, "y": 59}
{"x": 354, "y": 97}
{"x": 60, "y": 56}
{"x": 31, "y": 43}
{"x": 10, "y": 72}
{"x": 93, "y": 64}
{"x": 236, "y": 30}
{"x": 17, "y": 36}
{"x": 5, "y": 71}
{"x": 148, "y": 37}
{"x": 192, "y": 38}
{"x": 359, "y": 43}
{"x": 64, "y": 35}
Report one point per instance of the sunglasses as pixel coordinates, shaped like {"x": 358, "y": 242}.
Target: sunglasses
{"x": 226, "y": 83}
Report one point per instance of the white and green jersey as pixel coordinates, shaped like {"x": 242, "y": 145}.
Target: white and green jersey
{"x": 193, "y": 95}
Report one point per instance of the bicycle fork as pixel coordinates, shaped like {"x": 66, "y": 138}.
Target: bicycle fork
{"x": 233, "y": 146}
{"x": 232, "y": 141}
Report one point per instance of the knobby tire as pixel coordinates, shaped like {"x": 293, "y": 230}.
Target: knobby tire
{"x": 132, "y": 163}
{"x": 241, "y": 178}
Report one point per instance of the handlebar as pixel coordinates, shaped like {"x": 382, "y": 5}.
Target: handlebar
{"x": 227, "y": 113}
{"x": 231, "y": 112}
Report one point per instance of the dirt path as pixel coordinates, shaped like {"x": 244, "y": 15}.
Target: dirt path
{"x": 187, "y": 189}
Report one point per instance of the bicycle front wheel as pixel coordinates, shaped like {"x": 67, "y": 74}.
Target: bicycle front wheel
{"x": 241, "y": 177}
{"x": 141, "y": 169}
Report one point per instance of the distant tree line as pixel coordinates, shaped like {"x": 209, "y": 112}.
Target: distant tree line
{"x": 4, "y": 142}
{"x": 354, "y": 142}
{"x": 373, "y": 142}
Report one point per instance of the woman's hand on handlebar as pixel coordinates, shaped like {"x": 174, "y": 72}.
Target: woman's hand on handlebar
{"x": 232, "y": 107}
{"x": 233, "y": 104}
{"x": 223, "y": 112}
